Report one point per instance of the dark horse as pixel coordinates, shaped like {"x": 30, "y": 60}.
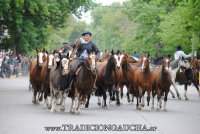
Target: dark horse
{"x": 35, "y": 72}
{"x": 59, "y": 81}
{"x": 161, "y": 79}
{"x": 143, "y": 82}
{"x": 107, "y": 79}
{"x": 83, "y": 82}
{"x": 187, "y": 76}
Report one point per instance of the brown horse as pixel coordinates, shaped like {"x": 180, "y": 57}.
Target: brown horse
{"x": 105, "y": 56}
{"x": 142, "y": 80}
{"x": 35, "y": 72}
{"x": 161, "y": 79}
{"x": 83, "y": 82}
{"x": 128, "y": 76}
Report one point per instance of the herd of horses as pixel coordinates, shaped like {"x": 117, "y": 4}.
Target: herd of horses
{"x": 109, "y": 74}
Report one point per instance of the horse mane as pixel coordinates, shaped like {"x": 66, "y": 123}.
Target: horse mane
{"x": 109, "y": 67}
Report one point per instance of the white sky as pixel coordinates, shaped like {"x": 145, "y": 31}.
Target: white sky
{"x": 87, "y": 16}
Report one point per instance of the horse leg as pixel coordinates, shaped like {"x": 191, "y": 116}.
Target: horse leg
{"x": 173, "y": 96}
{"x": 158, "y": 100}
{"x": 175, "y": 87}
{"x": 104, "y": 98}
{"x": 148, "y": 100}
{"x": 41, "y": 95}
{"x": 121, "y": 93}
{"x": 54, "y": 100}
{"x": 165, "y": 100}
{"x": 127, "y": 94}
{"x": 74, "y": 101}
{"x": 34, "y": 96}
{"x": 142, "y": 104}
{"x": 45, "y": 100}
{"x": 79, "y": 104}
{"x": 87, "y": 103}
{"x": 140, "y": 97}
{"x": 63, "y": 97}
{"x": 117, "y": 95}
{"x": 152, "y": 103}
{"x": 99, "y": 101}
{"x": 185, "y": 87}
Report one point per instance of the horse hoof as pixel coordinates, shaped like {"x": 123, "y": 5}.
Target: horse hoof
{"x": 179, "y": 98}
{"x": 53, "y": 111}
{"x": 104, "y": 107}
{"x": 34, "y": 101}
{"x": 99, "y": 104}
{"x": 49, "y": 106}
{"x": 173, "y": 96}
{"x": 158, "y": 109}
{"x": 139, "y": 107}
{"x": 149, "y": 109}
{"x": 186, "y": 99}
{"x": 142, "y": 105}
{"x": 165, "y": 110}
{"x": 86, "y": 106}
{"x": 62, "y": 109}
{"x": 152, "y": 107}
{"x": 118, "y": 103}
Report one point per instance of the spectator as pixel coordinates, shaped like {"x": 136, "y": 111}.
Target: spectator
{"x": 6, "y": 70}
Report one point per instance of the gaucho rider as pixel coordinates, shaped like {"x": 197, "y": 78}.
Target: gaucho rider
{"x": 83, "y": 45}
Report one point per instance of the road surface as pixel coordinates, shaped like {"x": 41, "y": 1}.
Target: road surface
{"x": 19, "y": 116}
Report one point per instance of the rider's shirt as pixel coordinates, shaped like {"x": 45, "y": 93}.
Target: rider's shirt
{"x": 179, "y": 54}
{"x": 89, "y": 46}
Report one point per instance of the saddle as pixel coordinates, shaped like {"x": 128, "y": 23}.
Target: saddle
{"x": 77, "y": 69}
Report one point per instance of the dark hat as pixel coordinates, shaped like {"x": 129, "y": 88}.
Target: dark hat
{"x": 84, "y": 33}
{"x": 179, "y": 48}
{"x": 65, "y": 43}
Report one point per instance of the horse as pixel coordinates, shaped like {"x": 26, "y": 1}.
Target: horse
{"x": 107, "y": 78}
{"x": 59, "y": 81}
{"x": 142, "y": 80}
{"x": 161, "y": 82}
{"x": 128, "y": 76}
{"x": 104, "y": 56}
{"x": 83, "y": 82}
{"x": 45, "y": 76}
{"x": 35, "y": 72}
{"x": 188, "y": 75}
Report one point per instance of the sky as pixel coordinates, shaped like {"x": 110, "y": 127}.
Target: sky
{"x": 87, "y": 16}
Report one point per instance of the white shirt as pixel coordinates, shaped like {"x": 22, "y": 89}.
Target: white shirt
{"x": 180, "y": 54}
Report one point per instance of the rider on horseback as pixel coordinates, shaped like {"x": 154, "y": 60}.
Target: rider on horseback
{"x": 83, "y": 46}
{"x": 179, "y": 53}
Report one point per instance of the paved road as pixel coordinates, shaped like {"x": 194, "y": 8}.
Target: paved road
{"x": 19, "y": 116}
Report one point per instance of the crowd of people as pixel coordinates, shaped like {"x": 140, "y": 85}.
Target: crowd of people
{"x": 13, "y": 65}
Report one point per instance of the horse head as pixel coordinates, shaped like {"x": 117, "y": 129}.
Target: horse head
{"x": 65, "y": 63}
{"x": 41, "y": 56}
{"x": 166, "y": 63}
{"x": 51, "y": 60}
{"x": 91, "y": 61}
{"x": 118, "y": 58}
{"x": 145, "y": 62}
{"x": 104, "y": 56}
